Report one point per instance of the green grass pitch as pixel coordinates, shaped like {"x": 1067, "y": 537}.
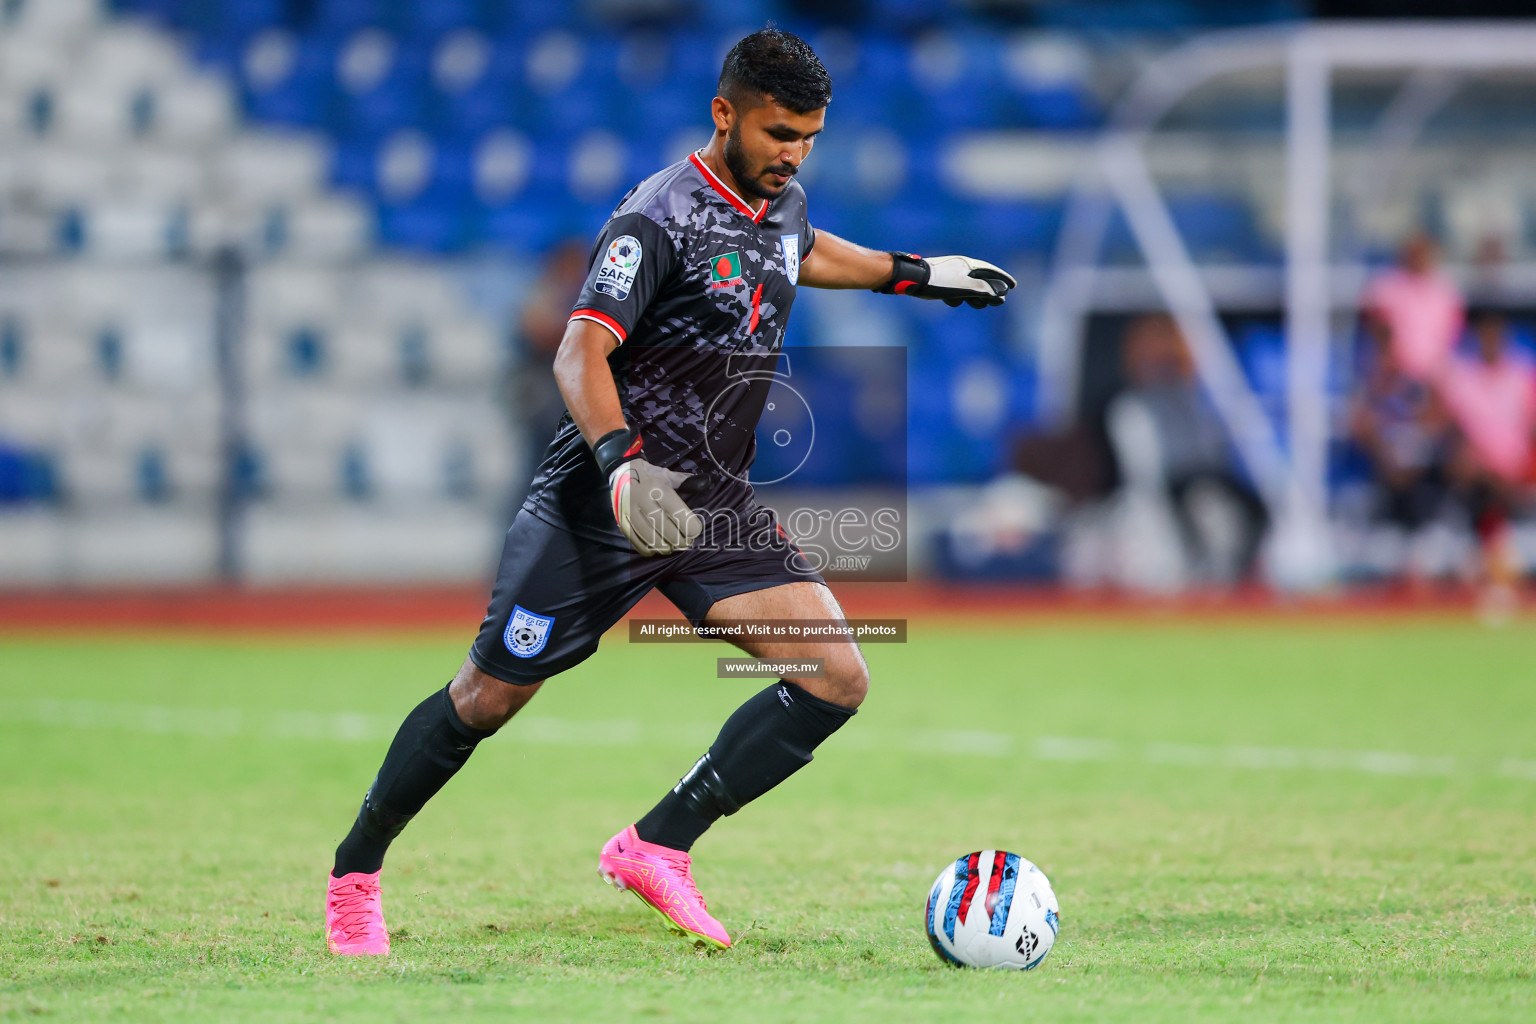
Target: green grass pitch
{"x": 1254, "y": 821}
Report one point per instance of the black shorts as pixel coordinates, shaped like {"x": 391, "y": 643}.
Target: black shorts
{"x": 556, "y": 593}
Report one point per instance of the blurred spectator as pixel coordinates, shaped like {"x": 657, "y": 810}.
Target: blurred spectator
{"x": 1417, "y": 309}
{"x": 1187, "y": 447}
{"x": 1402, "y": 426}
{"x": 540, "y": 327}
{"x": 1492, "y": 395}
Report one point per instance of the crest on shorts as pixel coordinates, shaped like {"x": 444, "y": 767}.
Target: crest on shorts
{"x": 527, "y": 633}
{"x": 791, "y": 246}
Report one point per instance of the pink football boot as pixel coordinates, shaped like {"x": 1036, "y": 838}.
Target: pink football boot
{"x": 354, "y": 915}
{"x": 660, "y": 876}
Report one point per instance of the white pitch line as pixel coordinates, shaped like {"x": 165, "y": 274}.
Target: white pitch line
{"x": 352, "y": 726}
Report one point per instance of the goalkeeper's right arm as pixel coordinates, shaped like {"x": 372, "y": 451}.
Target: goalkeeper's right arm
{"x": 643, "y": 496}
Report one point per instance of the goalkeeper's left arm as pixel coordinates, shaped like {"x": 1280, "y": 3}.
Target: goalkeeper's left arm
{"x": 838, "y": 263}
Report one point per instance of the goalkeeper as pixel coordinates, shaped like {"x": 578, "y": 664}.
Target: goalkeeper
{"x": 645, "y": 486}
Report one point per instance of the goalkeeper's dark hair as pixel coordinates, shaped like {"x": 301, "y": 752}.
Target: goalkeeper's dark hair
{"x": 778, "y": 64}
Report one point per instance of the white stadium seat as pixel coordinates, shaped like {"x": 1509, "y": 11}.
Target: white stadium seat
{"x": 143, "y": 544}
{"x": 197, "y": 108}
{"x": 127, "y": 231}
{"x": 164, "y": 174}
{"x": 271, "y": 167}
{"x": 328, "y": 228}
{"x": 373, "y": 399}
{"x": 49, "y": 19}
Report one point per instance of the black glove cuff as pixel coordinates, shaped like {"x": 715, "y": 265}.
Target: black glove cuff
{"x": 615, "y": 447}
{"x": 908, "y": 271}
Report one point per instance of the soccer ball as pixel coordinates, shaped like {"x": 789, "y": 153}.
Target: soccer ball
{"x": 992, "y": 909}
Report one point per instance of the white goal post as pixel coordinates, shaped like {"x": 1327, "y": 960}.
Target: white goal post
{"x": 1293, "y": 485}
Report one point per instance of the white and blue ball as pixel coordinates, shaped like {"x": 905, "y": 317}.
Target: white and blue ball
{"x": 992, "y": 908}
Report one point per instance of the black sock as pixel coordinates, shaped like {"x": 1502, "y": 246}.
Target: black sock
{"x": 433, "y": 743}
{"x": 764, "y": 742}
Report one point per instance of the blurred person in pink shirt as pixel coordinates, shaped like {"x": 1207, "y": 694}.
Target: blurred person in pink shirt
{"x": 1417, "y": 309}
{"x": 1492, "y": 396}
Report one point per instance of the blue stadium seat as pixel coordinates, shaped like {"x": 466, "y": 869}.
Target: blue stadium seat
{"x": 304, "y": 97}
{"x": 909, "y": 15}
{"x": 694, "y": 58}
{"x": 355, "y": 165}
{"x": 950, "y": 334}
{"x": 399, "y": 101}
{"x": 216, "y": 17}
{"x": 26, "y": 476}
{"x": 530, "y": 223}
{"x": 581, "y": 105}
{"x": 863, "y": 103}
{"x": 427, "y": 18}
{"x": 1217, "y": 227}
{"x": 917, "y": 222}
{"x": 1061, "y": 108}
{"x": 454, "y": 173}
{"x": 435, "y": 222}
{"x": 665, "y": 108}
{"x": 348, "y": 15}
{"x": 928, "y": 417}
{"x": 166, "y": 10}
{"x": 493, "y": 102}
{"x": 520, "y": 18}
{"x": 998, "y": 230}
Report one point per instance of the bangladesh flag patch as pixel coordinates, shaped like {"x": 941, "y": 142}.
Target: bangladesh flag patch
{"x": 725, "y": 270}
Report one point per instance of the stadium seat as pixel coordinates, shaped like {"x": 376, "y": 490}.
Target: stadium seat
{"x": 1002, "y": 230}
{"x": 277, "y": 167}
{"x": 430, "y": 19}
{"x": 575, "y": 108}
{"x": 1217, "y": 227}
{"x": 433, "y": 223}
{"x": 531, "y": 222}
{"x": 288, "y": 80}
{"x": 516, "y": 18}
{"x": 329, "y": 229}
{"x": 163, "y": 174}
{"x": 192, "y": 109}
{"x": 1049, "y": 81}
{"x": 126, "y": 231}
{"x": 404, "y": 290}
{"x": 340, "y": 16}
{"x": 459, "y": 59}
{"x": 49, "y": 19}
{"x": 501, "y": 165}
{"x": 497, "y": 100}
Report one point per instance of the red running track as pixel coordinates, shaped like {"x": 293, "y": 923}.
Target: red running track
{"x": 459, "y": 609}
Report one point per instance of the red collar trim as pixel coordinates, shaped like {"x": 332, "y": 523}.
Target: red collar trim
{"x": 725, "y": 190}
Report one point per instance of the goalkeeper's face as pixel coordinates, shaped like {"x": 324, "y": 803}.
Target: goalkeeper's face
{"x": 765, "y": 143}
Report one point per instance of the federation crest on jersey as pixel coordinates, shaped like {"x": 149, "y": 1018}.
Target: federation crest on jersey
{"x": 527, "y": 633}
{"x": 790, "y": 246}
{"x": 620, "y": 265}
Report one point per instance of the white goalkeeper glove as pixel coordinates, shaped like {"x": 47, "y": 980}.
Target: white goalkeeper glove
{"x": 644, "y": 496}
{"x": 955, "y": 279}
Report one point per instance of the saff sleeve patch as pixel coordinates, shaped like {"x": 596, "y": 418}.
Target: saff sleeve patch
{"x": 620, "y": 265}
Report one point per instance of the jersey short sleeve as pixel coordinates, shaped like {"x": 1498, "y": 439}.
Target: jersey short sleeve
{"x": 631, "y": 261}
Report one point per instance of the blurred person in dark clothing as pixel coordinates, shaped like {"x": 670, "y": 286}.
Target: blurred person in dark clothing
{"x": 1402, "y": 426}
{"x": 1195, "y": 454}
{"x": 535, "y": 394}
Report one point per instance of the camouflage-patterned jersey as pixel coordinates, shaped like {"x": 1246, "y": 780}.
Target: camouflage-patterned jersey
{"x": 697, "y": 289}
